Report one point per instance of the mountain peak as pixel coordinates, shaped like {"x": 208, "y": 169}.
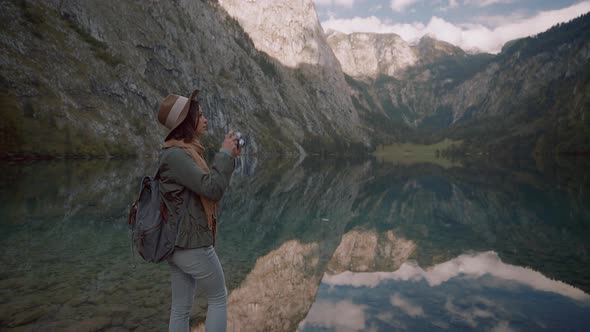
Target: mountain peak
{"x": 431, "y": 48}
{"x": 428, "y": 37}
{"x": 365, "y": 54}
{"x": 332, "y": 32}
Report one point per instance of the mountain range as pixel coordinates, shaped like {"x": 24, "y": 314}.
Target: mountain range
{"x": 531, "y": 98}
{"x": 84, "y": 79}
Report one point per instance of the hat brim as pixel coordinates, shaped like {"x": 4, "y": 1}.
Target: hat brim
{"x": 183, "y": 113}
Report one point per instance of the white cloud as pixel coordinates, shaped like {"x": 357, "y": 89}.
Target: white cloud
{"x": 342, "y": 3}
{"x": 406, "y": 306}
{"x": 342, "y": 315}
{"x": 468, "y": 36}
{"x": 475, "y": 265}
{"x": 401, "y": 5}
{"x": 485, "y": 3}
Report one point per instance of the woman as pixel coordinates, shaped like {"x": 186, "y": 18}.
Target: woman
{"x": 194, "y": 262}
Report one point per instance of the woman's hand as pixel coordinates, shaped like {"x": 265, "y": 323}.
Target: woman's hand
{"x": 231, "y": 143}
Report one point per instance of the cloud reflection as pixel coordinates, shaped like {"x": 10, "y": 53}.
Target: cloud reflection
{"x": 469, "y": 312}
{"x": 406, "y": 306}
{"x": 339, "y": 316}
{"x": 502, "y": 327}
{"x": 473, "y": 265}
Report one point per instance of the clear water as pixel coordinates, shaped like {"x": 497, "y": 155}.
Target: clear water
{"x": 321, "y": 245}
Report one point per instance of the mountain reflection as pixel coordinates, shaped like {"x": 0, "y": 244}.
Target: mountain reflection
{"x": 475, "y": 291}
{"x": 282, "y": 286}
{"x": 469, "y": 265}
{"x": 528, "y": 217}
{"x": 277, "y": 292}
{"x": 370, "y": 251}
{"x": 313, "y": 244}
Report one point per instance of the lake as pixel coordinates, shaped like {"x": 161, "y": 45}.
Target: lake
{"x": 312, "y": 245}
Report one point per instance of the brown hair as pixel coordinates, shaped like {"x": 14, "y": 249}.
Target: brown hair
{"x": 186, "y": 130}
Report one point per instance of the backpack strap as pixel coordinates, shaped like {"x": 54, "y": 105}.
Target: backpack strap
{"x": 166, "y": 152}
{"x": 186, "y": 194}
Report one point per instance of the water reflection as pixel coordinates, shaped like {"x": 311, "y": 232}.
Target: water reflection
{"x": 474, "y": 291}
{"x": 473, "y": 266}
{"x": 312, "y": 244}
{"x": 277, "y": 292}
{"x": 369, "y": 250}
{"x": 529, "y": 218}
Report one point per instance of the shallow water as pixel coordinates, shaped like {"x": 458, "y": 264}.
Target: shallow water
{"x": 346, "y": 245}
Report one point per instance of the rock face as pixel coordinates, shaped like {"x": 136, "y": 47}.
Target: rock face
{"x": 86, "y": 78}
{"x": 368, "y": 55}
{"x": 290, "y": 32}
{"x": 430, "y": 49}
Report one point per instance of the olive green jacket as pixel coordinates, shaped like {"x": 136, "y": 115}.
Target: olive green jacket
{"x": 179, "y": 172}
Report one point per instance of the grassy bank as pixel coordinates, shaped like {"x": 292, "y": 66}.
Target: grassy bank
{"x": 410, "y": 153}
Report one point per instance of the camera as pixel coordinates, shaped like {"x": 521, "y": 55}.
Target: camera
{"x": 241, "y": 139}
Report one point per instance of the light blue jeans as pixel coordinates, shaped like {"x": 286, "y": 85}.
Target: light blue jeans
{"x": 191, "y": 268}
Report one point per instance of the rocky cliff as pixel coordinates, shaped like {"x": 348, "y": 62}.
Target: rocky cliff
{"x": 85, "y": 79}
{"x": 368, "y": 55}
{"x": 290, "y": 32}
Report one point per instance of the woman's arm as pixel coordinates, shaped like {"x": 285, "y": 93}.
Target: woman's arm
{"x": 182, "y": 169}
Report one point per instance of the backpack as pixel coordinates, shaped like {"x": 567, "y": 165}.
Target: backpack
{"x": 152, "y": 234}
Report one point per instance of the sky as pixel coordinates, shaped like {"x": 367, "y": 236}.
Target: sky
{"x": 473, "y": 25}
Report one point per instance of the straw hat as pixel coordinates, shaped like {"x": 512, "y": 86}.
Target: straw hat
{"x": 173, "y": 110}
